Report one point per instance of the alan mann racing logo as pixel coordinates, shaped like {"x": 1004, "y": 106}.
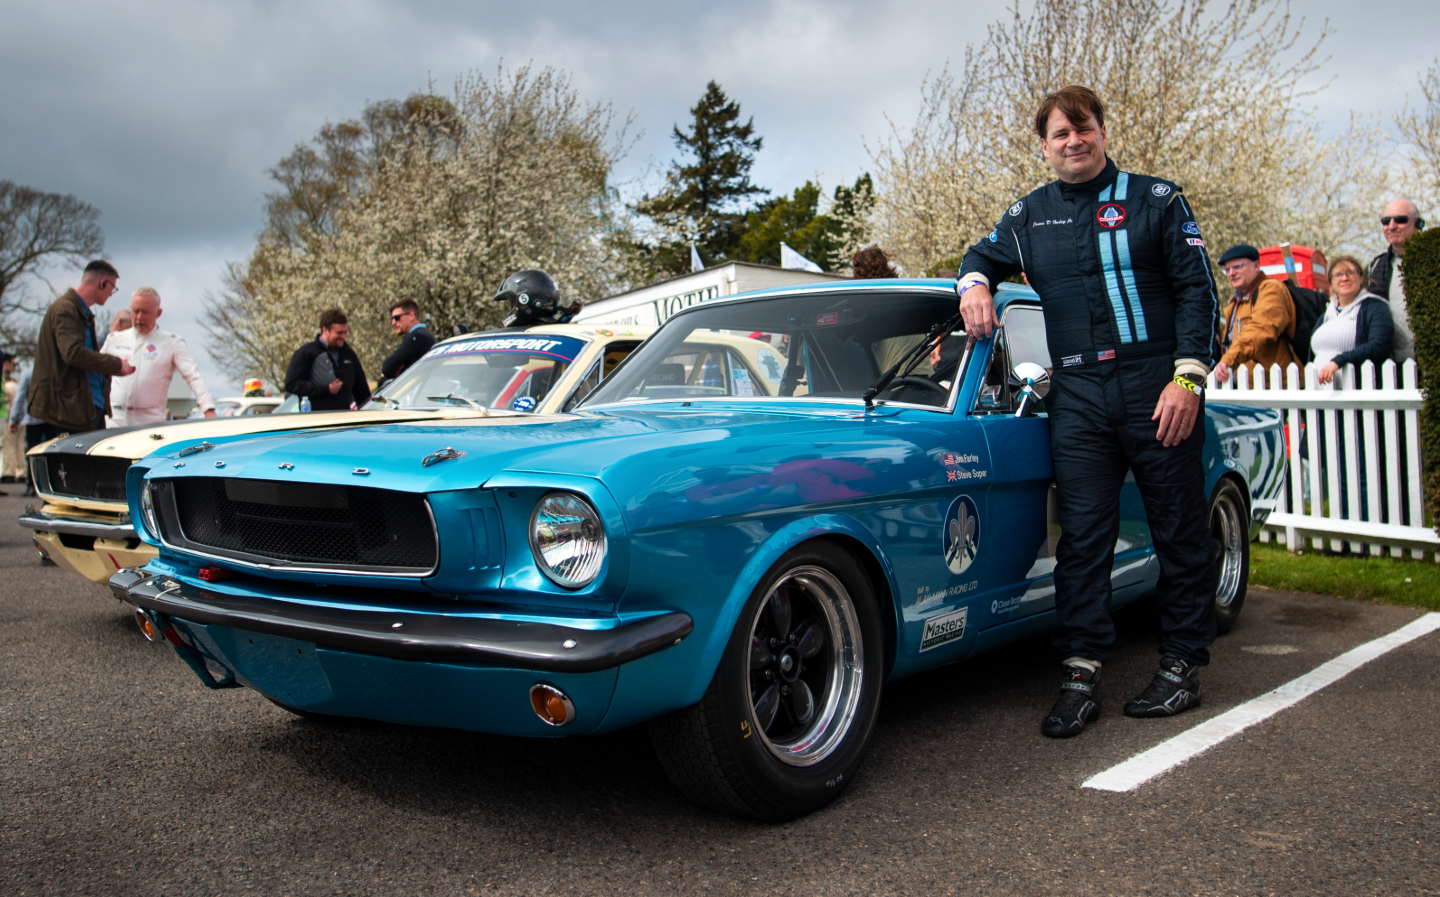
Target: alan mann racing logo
{"x": 961, "y": 535}
{"x": 1110, "y": 215}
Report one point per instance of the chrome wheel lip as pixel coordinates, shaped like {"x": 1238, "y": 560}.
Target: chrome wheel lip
{"x": 836, "y": 709}
{"x": 1226, "y": 528}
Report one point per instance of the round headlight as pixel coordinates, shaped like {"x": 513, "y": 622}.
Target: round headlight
{"x": 147, "y": 510}
{"x": 567, "y": 539}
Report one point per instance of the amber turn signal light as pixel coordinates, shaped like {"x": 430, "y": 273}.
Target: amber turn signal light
{"x": 551, "y": 704}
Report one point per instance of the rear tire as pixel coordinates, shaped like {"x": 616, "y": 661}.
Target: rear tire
{"x": 1230, "y": 534}
{"x": 788, "y": 716}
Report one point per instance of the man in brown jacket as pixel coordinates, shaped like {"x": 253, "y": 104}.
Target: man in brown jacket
{"x": 70, "y": 388}
{"x": 1258, "y": 320}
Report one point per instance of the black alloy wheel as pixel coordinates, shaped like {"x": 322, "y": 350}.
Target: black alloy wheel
{"x": 786, "y": 720}
{"x": 1230, "y": 534}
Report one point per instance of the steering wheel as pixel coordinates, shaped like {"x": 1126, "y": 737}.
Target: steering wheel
{"x": 922, "y": 383}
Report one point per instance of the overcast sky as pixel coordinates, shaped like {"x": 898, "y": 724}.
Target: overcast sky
{"x": 166, "y": 115}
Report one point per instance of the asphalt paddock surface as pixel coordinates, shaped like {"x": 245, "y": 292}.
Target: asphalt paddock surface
{"x": 123, "y": 775}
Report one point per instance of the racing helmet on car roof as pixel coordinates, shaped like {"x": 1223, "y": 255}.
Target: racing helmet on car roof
{"x": 534, "y": 299}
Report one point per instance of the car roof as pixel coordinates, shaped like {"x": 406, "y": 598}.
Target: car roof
{"x": 1004, "y": 295}
{"x": 581, "y": 330}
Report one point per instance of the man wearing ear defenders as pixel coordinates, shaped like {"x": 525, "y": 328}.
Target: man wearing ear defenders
{"x": 1399, "y": 222}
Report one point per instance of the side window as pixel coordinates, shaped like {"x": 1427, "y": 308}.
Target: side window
{"x": 586, "y": 386}
{"x": 1021, "y": 338}
{"x": 743, "y": 381}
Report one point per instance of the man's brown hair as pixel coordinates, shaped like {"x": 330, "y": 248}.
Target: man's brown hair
{"x": 1076, "y": 102}
{"x": 406, "y": 304}
{"x": 872, "y": 263}
{"x": 332, "y": 316}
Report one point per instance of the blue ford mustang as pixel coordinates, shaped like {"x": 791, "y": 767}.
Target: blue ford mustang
{"x": 779, "y": 502}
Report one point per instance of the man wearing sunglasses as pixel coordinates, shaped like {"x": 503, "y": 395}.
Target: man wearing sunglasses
{"x": 70, "y": 387}
{"x": 1399, "y": 222}
{"x": 415, "y": 339}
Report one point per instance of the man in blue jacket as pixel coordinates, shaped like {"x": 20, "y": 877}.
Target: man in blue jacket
{"x": 1130, "y": 320}
{"x": 415, "y": 339}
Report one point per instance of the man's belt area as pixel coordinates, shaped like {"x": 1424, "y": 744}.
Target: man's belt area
{"x": 1123, "y": 353}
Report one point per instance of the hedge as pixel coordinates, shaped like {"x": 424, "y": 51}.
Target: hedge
{"x": 1421, "y": 266}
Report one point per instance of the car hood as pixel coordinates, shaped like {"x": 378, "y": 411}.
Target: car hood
{"x": 390, "y": 457}
{"x": 137, "y": 442}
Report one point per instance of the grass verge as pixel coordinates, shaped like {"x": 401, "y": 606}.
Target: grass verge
{"x": 1389, "y": 580}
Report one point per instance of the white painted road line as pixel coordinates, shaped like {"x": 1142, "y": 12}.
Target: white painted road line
{"x": 1165, "y": 756}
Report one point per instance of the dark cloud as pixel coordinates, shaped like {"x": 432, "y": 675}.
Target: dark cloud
{"x": 166, "y": 115}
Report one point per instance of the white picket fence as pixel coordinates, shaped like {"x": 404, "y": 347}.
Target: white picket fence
{"x": 1354, "y": 452}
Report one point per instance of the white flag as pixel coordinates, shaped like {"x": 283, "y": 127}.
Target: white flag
{"x": 695, "y": 263}
{"x": 789, "y": 258}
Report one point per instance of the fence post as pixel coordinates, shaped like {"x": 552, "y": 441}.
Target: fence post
{"x": 1393, "y": 474}
{"x": 1411, "y": 437}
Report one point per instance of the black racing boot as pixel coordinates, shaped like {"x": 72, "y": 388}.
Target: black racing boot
{"x": 1175, "y": 689}
{"x": 1079, "y": 703}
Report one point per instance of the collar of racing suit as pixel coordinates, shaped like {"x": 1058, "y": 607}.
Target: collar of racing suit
{"x": 1093, "y": 186}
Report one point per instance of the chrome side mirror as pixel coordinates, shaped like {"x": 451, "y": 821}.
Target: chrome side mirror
{"x": 1030, "y": 375}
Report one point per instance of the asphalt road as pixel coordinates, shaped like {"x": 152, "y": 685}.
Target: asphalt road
{"x": 123, "y": 775}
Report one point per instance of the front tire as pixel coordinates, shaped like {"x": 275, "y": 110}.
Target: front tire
{"x": 788, "y": 716}
{"x": 1230, "y": 535}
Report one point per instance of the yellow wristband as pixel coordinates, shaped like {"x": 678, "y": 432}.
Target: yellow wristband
{"x": 1188, "y": 385}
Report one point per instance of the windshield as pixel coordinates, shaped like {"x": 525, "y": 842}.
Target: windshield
{"x": 511, "y": 371}
{"x": 827, "y": 344}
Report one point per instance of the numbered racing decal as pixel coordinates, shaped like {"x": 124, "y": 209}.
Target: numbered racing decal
{"x": 960, "y": 536}
{"x": 943, "y": 629}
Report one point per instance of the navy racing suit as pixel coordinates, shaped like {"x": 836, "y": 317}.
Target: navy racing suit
{"x": 1129, "y": 300}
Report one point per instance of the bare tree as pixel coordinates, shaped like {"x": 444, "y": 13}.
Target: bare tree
{"x": 1420, "y": 133}
{"x": 37, "y": 230}
{"x": 1211, "y": 99}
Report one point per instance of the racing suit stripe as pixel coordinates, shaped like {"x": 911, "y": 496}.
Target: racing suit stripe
{"x": 1127, "y": 273}
{"x": 1122, "y": 183}
{"x": 1112, "y": 285}
{"x": 1104, "y": 195}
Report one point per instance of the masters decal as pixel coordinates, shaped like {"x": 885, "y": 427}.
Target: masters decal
{"x": 943, "y": 629}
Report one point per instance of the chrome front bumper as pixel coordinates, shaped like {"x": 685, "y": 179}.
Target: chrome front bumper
{"x": 39, "y": 521}
{"x": 409, "y": 635}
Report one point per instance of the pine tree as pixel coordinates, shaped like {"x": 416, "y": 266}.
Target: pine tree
{"x": 704, "y": 197}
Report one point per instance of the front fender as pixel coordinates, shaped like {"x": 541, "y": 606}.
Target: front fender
{"x": 678, "y": 677}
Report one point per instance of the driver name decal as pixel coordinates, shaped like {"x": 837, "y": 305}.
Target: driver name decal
{"x": 943, "y": 629}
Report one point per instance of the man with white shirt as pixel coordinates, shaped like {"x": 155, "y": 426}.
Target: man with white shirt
{"x": 1399, "y": 222}
{"x": 156, "y": 355}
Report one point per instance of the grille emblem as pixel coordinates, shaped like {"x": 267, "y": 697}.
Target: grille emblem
{"x": 62, "y": 473}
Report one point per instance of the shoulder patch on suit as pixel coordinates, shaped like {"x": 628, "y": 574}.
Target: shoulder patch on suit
{"x": 1016, "y": 209}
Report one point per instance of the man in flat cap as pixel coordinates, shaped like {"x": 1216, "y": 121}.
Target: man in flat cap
{"x": 1260, "y": 316}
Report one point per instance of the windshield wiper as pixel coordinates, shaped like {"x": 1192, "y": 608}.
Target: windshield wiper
{"x": 454, "y": 398}
{"x": 387, "y": 400}
{"x": 911, "y": 360}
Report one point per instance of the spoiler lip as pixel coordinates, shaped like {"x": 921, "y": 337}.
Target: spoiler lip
{"x": 410, "y": 635}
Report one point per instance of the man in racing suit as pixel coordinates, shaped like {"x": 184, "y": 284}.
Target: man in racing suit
{"x": 1130, "y": 320}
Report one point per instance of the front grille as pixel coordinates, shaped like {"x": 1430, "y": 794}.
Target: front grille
{"x": 83, "y": 476}
{"x": 316, "y": 524}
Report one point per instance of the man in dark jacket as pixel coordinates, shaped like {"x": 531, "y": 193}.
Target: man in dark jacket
{"x": 327, "y": 371}
{"x": 70, "y": 387}
{"x": 1398, "y": 222}
{"x": 415, "y": 339}
{"x": 1130, "y": 319}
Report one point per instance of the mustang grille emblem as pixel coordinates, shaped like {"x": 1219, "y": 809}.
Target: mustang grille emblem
{"x": 62, "y": 473}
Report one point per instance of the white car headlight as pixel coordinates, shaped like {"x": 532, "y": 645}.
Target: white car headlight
{"x": 567, "y": 539}
{"x": 147, "y": 510}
